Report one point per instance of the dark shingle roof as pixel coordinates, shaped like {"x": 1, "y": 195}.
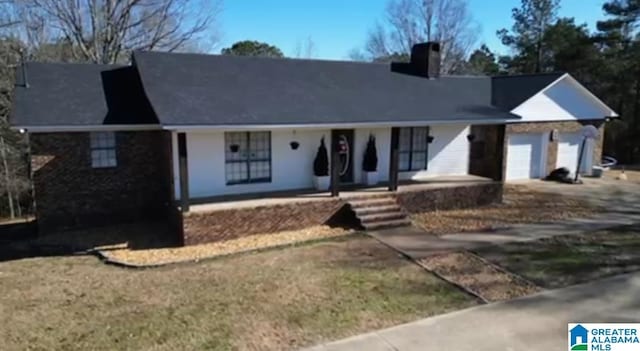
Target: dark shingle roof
{"x": 79, "y": 95}
{"x": 194, "y": 89}
{"x": 508, "y": 92}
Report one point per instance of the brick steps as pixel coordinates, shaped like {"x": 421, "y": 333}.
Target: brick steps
{"x": 379, "y": 212}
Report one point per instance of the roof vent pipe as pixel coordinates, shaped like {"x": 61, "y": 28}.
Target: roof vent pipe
{"x": 23, "y": 65}
{"x": 425, "y": 59}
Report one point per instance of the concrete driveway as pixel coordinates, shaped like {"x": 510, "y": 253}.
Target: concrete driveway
{"x": 535, "y": 322}
{"x": 619, "y": 200}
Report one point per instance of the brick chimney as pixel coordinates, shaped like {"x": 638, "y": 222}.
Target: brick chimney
{"x": 425, "y": 59}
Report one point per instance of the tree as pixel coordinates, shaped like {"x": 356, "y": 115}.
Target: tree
{"x": 409, "y": 22}
{"x": 7, "y": 18}
{"x": 106, "y": 31}
{"x": 526, "y": 38}
{"x": 14, "y": 181}
{"x": 252, "y": 48}
{"x": 619, "y": 42}
{"x": 305, "y": 49}
{"x": 483, "y": 62}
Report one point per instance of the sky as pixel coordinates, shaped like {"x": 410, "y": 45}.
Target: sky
{"x": 338, "y": 26}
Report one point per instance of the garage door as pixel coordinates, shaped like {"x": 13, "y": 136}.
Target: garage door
{"x": 569, "y": 151}
{"x": 524, "y": 156}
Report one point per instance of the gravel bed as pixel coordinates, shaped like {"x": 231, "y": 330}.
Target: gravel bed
{"x": 161, "y": 256}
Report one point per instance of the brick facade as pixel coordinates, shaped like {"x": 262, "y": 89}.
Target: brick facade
{"x": 561, "y": 127}
{"x": 70, "y": 193}
{"x": 485, "y": 157}
{"x": 450, "y": 198}
{"x": 204, "y": 227}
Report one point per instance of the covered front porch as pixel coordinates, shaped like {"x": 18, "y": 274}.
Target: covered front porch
{"x": 347, "y": 192}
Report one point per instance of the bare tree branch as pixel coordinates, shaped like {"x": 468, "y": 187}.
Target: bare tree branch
{"x": 408, "y": 22}
{"x": 105, "y": 31}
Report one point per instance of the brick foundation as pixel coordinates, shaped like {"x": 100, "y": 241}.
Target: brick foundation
{"x": 450, "y": 198}
{"x": 561, "y": 127}
{"x": 235, "y": 223}
{"x": 220, "y": 225}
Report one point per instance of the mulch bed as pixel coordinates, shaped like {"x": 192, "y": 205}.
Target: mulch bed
{"x": 478, "y": 277}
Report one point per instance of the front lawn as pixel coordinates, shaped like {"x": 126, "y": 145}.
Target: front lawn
{"x": 566, "y": 260}
{"x": 273, "y": 300}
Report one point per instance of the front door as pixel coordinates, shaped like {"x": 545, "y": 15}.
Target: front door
{"x": 344, "y": 139}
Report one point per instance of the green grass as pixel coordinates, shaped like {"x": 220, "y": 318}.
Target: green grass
{"x": 274, "y": 300}
{"x": 572, "y": 259}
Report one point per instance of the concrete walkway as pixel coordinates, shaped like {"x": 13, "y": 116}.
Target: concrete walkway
{"x": 416, "y": 243}
{"x": 620, "y": 201}
{"x": 538, "y": 321}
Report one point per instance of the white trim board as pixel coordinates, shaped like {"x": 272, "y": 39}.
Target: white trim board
{"x": 194, "y": 128}
{"x": 88, "y": 128}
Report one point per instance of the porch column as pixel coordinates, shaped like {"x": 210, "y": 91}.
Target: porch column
{"x": 335, "y": 166}
{"x": 501, "y": 150}
{"x": 183, "y": 171}
{"x": 393, "y": 159}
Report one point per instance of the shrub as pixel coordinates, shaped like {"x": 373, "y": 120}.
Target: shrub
{"x": 321, "y": 163}
{"x": 370, "y": 161}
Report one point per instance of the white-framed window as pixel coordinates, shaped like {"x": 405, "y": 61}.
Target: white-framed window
{"x": 413, "y": 149}
{"x": 247, "y": 157}
{"x": 103, "y": 149}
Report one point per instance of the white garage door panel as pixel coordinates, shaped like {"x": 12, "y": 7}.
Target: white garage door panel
{"x": 524, "y": 156}
{"x": 569, "y": 151}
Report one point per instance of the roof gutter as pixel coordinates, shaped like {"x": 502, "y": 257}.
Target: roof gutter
{"x": 87, "y": 128}
{"x": 330, "y": 125}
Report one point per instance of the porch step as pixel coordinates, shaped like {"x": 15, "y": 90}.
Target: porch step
{"x": 363, "y": 211}
{"x": 379, "y": 212}
{"x": 384, "y": 216}
{"x": 372, "y": 202}
{"x": 388, "y": 224}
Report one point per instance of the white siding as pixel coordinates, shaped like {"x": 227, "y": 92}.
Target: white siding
{"x": 448, "y": 153}
{"x": 563, "y": 101}
{"x": 383, "y": 145}
{"x": 293, "y": 169}
{"x": 290, "y": 169}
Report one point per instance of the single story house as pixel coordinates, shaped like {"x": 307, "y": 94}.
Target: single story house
{"x": 170, "y": 130}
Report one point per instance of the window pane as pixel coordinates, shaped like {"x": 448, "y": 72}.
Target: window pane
{"x": 235, "y": 146}
{"x": 251, "y": 159}
{"x": 418, "y": 160}
{"x": 103, "y": 149}
{"x": 260, "y": 146}
{"x": 419, "y": 139}
{"x": 405, "y": 139}
{"x": 236, "y": 172}
{"x": 260, "y": 170}
{"x": 403, "y": 161}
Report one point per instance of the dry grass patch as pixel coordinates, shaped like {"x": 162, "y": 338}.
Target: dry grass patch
{"x": 199, "y": 252}
{"x": 272, "y": 300}
{"x": 478, "y": 276}
{"x": 570, "y": 259}
{"x": 521, "y": 204}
